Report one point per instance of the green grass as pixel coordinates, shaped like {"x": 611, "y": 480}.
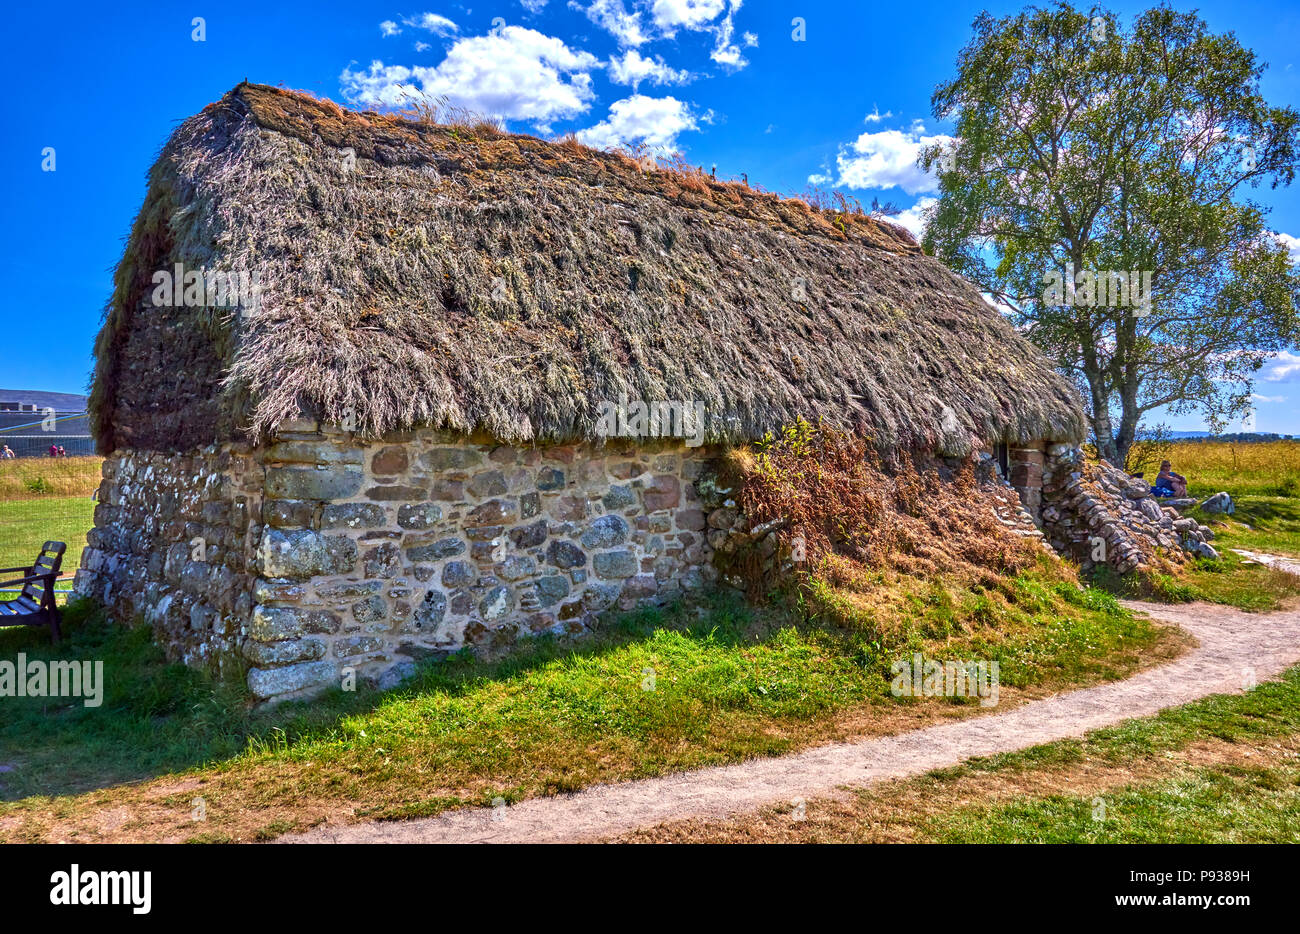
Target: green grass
{"x": 154, "y": 715}
{"x": 730, "y": 685}
{"x": 1229, "y": 581}
{"x": 1219, "y": 803}
{"x": 1269, "y": 711}
{"x": 1260, "y": 523}
{"x": 1035, "y": 624}
{"x": 25, "y": 524}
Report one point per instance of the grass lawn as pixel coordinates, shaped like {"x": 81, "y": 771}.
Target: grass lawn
{"x": 1225, "y": 769}
{"x": 25, "y": 524}
{"x": 655, "y": 692}
{"x": 44, "y": 499}
{"x": 1260, "y": 523}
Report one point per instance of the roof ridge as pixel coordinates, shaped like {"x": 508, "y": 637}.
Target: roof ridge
{"x": 310, "y": 116}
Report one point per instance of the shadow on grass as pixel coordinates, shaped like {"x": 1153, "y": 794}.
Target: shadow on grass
{"x": 1257, "y": 510}
{"x": 734, "y": 682}
{"x": 158, "y": 717}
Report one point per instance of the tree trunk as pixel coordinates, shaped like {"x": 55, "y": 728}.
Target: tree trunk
{"x": 1102, "y": 432}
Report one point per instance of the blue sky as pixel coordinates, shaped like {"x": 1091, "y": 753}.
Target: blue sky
{"x": 725, "y": 82}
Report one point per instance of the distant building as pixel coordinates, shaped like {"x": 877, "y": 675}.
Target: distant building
{"x": 30, "y": 421}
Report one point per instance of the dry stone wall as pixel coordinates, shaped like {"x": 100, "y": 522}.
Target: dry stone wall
{"x": 369, "y": 558}
{"x": 1098, "y": 514}
{"x": 174, "y": 544}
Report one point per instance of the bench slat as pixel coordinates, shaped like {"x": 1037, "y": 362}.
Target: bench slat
{"x": 30, "y": 606}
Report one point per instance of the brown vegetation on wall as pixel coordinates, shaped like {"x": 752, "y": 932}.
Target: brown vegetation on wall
{"x": 857, "y": 515}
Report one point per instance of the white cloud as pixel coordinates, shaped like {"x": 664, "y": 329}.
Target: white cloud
{"x": 438, "y": 25}
{"x": 515, "y": 73}
{"x": 1256, "y": 397}
{"x": 613, "y": 17}
{"x": 422, "y": 46}
{"x": 382, "y": 85}
{"x": 876, "y": 116}
{"x": 636, "y": 22}
{"x": 693, "y": 14}
{"x": 533, "y": 6}
{"x": 633, "y": 68}
{"x": 914, "y": 219}
{"x": 818, "y": 179}
{"x": 389, "y": 28}
{"x": 1282, "y": 367}
{"x": 725, "y": 52}
{"x": 1291, "y": 245}
{"x": 888, "y": 160}
{"x": 655, "y": 122}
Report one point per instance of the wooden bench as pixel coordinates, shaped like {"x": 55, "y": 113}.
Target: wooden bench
{"x": 35, "y": 605}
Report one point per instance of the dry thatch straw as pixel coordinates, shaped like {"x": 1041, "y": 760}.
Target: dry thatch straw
{"x": 488, "y": 282}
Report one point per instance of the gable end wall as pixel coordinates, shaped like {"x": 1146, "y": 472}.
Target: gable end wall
{"x": 327, "y": 559}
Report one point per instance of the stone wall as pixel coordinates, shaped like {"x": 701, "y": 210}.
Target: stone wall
{"x": 370, "y": 558}
{"x": 174, "y": 544}
{"x": 1098, "y": 514}
{"x": 315, "y": 557}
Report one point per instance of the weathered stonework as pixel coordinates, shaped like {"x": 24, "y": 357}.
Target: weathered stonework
{"x": 325, "y": 555}
{"x": 1098, "y": 514}
{"x": 315, "y": 556}
{"x": 174, "y": 544}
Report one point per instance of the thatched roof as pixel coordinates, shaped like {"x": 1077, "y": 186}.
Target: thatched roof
{"x": 466, "y": 279}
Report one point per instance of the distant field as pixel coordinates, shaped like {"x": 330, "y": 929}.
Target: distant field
{"x": 1270, "y": 468}
{"x": 35, "y": 477}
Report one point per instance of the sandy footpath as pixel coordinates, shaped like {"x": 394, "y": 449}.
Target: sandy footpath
{"x": 1236, "y": 650}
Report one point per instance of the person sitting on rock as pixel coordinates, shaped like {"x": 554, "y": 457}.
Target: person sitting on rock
{"x": 1169, "y": 483}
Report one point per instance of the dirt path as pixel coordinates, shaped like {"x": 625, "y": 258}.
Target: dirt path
{"x": 1236, "y": 649}
{"x": 1281, "y": 562}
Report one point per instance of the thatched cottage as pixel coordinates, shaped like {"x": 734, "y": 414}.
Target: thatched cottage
{"x": 372, "y": 390}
